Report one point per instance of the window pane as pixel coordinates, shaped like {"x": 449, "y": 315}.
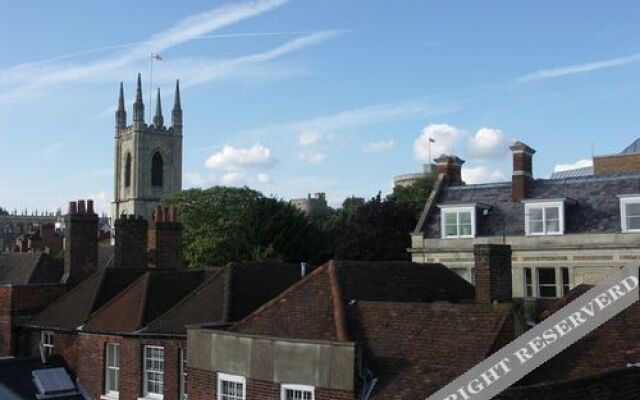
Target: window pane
{"x": 546, "y": 276}
{"x": 464, "y": 218}
{"x": 465, "y": 230}
{"x": 451, "y": 230}
{"x": 450, "y": 218}
{"x": 535, "y": 226}
{"x": 548, "y": 291}
{"x": 633, "y": 222}
{"x": 535, "y": 214}
{"x": 552, "y": 213}
{"x": 633, "y": 210}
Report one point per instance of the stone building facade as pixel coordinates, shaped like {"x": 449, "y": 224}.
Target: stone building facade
{"x": 148, "y": 157}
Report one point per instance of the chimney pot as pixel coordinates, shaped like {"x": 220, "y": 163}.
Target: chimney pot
{"x": 73, "y": 207}
{"x": 90, "y": 207}
{"x": 451, "y": 168}
{"x": 522, "y": 170}
{"x": 158, "y": 214}
{"x": 81, "y": 207}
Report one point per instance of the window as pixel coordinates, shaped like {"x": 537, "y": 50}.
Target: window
{"x": 547, "y": 282}
{"x": 458, "y": 222}
{"x": 231, "y": 387}
{"x": 528, "y": 283}
{"x": 544, "y": 218}
{"x": 156, "y": 169}
{"x": 183, "y": 374}
{"x": 46, "y": 339}
{"x": 127, "y": 171}
{"x": 566, "y": 286}
{"x": 630, "y": 213}
{"x": 154, "y": 372}
{"x": 297, "y": 392}
{"x": 112, "y": 369}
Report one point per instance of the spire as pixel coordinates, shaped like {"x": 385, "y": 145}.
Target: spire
{"x": 158, "y": 120}
{"x": 138, "y": 106}
{"x": 121, "y": 113}
{"x": 176, "y": 114}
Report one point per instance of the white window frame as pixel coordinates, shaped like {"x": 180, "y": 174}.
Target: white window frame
{"x": 46, "y": 338}
{"x": 544, "y": 205}
{"x": 458, "y": 209}
{"x": 146, "y": 371}
{"x": 183, "y": 374}
{"x": 624, "y": 201}
{"x": 304, "y": 388}
{"x": 535, "y": 282}
{"x": 111, "y": 394}
{"x": 530, "y": 284}
{"x": 222, "y": 377}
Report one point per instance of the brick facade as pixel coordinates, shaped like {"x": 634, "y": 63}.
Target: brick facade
{"x": 522, "y": 170}
{"x": 203, "y": 386}
{"x": 81, "y": 242}
{"x": 130, "y": 248}
{"x": 451, "y": 168}
{"x": 165, "y": 238}
{"x": 492, "y": 273}
{"x": 616, "y": 163}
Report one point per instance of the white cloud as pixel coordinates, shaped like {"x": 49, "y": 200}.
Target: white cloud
{"x": 482, "y": 174}
{"x": 487, "y": 143}
{"x": 233, "y": 179}
{"x": 101, "y": 202}
{"x": 313, "y": 158}
{"x": 232, "y": 158}
{"x": 263, "y": 178}
{"x": 578, "y": 164}
{"x": 378, "y": 147}
{"x": 309, "y": 137}
{"x": 551, "y": 73}
{"x": 446, "y": 138}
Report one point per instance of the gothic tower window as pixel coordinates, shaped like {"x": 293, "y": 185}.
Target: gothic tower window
{"x": 127, "y": 171}
{"x": 156, "y": 169}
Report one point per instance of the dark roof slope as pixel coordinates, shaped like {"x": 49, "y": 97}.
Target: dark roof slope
{"x": 33, "y": 267}
{"x": 16, "y": 381}
{"x": 310, "y": 307}
{"x": 228, "y": 295}
{"x": 72, "y": 309}
{"x": 597, "y": 209}
{"x": 146, "y": 299}
{"x": 416, "y": 348}
{"x": 633, "y": 147}
{"x": 612, "y": 345}
{"x": 619, "y": 384}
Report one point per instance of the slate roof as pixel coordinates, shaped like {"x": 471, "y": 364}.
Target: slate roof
{"x": 633, "y": 147}
{"x": 73, "y": 309}
{"x": 398, "y": 313}
{"x": 310, "y": 307}
{"x": 597, "y": 209}
{"x": 33, "y": 267}
{"x": 16, "y": 381}
{"x": 572, "y": 173}
{"x": 618, "y": 384}
{"x": 228, "y": 295}
{"x": 612, "y": 345}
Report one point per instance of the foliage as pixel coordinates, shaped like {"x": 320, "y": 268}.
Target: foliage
{"x": 3, "y": 211}
{"x": 224, "y": 224}
{"x": 413, "y": 196}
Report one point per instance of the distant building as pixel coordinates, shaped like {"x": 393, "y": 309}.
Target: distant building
{"x": 405, "y": 180}
{"x": 16, "y": 224}
{"x": 310, "y": 204}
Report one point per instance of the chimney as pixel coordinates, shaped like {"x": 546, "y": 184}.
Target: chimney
{"x": 492, "y": 273}
{"x": 522, "y": 170}
{"x": 165, "y": 238}
{"x": 80, "y": 242}
{"x": 450, "y": 167}
{"x": 130, "y": 250}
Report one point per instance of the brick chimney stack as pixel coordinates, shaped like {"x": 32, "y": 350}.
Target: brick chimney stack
{"x": 80, "y": 242}
{"x": 492, "y": 273}
{"x": 130, "y": 250}
{"x": 165, "y": 238}
{"x": 451, "y": 167}
{"x": 522, "y": 170}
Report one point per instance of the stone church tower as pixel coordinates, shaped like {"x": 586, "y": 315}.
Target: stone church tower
{"x": 148, "y": 162}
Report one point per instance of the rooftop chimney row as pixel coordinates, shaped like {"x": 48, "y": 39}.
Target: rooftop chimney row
{"x": 80, "y": 242}
{"x": 522, "y": 170}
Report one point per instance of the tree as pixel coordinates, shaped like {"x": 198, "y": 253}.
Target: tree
{"x": 3, "y": 211}
{"x": 413, "y": 196}
{"x": 224, "y": 224}
{"x": 375, "y": 231}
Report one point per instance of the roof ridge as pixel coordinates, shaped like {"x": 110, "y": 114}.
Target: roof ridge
{"x": 143, "y": 306}
{"x": 117, "y": 296}
{"x": 285, "y": 293}
{"x": 226, "y": 291}
{"x": 193, "y": 293}
{"x": 339, "y": 316}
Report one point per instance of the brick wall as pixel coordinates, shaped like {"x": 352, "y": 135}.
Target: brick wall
{"x": 5, "y": 322}
{"x": 91, "y": 361}
{"x": 616, "y": 163}
{"x": 203, "y": 386}
{"x": 64, "y": 345}
{"x": 130, "y": 248}
{"x": 492, "y": 273}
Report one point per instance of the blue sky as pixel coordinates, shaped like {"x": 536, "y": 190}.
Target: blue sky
{"x": 300, "y": 96}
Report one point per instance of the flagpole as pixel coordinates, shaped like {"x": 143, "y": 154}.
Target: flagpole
{"x": 150, "y": 84}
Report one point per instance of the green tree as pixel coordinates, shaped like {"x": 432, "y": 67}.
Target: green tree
{"x": 224, "y": 224}
{"x": 378, "y": 230}
{"x": 413, "y": 196}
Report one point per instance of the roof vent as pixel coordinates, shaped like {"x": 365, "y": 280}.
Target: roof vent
{"x": 53, "y": 383}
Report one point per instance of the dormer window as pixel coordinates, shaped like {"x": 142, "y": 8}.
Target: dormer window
{"x": 630, "y": 213}
{"x": 458, "y": 221}
{"x": 544, "y": 217}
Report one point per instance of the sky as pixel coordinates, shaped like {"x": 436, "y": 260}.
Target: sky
{"x": 299, "y": 96}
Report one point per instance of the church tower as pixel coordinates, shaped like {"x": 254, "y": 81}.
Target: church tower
{"x": 148, "y": 158}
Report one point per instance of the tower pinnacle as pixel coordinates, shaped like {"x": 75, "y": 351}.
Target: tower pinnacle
{"x": 121, "y": 113}
{"x": 138, "y": 106}
{"x": 158, "y": 120}
{"x": 176, "y": 113}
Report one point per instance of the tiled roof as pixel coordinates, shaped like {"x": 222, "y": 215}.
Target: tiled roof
{"x": 309, "y": 307}
{"x": 612, "y": 345}
{"x": 597, "y": 209}
{"x": 16, "y": 381}
{"x": 618, "y": 384}
{"x": 32, "y": 267}
{"x": 72, "y": 309}
{"x": 227, "y": 296}
{"x": 572, "y": 173}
